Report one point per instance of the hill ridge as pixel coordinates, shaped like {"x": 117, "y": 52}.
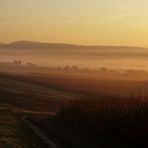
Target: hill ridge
{"x": 35, "y": 44}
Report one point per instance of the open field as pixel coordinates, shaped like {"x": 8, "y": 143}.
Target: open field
{"x": 25, "y": 96}
{"x": 83, "y": 85}
{"x": 19, "y": 99}
{"x": 54, "y": 107}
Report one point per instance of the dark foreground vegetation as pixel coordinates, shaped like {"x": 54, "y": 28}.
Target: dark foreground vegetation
{"x": 14, "y": 133}
{"x": 93, "y": 123}
{"x": 68, "y": 119}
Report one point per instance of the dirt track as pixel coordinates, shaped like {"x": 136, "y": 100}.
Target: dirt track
{"x": 41, "y": 134}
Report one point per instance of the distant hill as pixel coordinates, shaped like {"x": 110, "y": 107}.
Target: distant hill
{"x": 30, "y": 44}
{"x": 39, "y": 45}
{"x": 2, "y": 45}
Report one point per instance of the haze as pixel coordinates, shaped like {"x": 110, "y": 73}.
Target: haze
{"x": 84, "y": 22}
{"x": 95, "y": 22}
{"x": 73, "y": 73}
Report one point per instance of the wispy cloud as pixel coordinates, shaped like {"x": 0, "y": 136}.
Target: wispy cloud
{"x": 26, "y": 20}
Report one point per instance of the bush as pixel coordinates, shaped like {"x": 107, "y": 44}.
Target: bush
{"x": 119, "y": 119}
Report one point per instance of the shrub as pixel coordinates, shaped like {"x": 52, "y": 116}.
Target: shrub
{"x": 119, "y": 119}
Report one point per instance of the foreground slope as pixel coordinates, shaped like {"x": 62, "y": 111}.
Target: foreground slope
{"x": 25, "y": 96}
{"x": 19, "y": 99}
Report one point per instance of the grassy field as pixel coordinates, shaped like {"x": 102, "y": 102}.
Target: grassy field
{"x": 72, "y": 120}
{"x": 19, "y": 99}
{"x": 88, "y": 86}
{"x": 14, "y": 134}
{"x": 24, "y": 96}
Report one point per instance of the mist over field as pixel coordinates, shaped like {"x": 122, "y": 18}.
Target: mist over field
{"x": 116, "y": 58}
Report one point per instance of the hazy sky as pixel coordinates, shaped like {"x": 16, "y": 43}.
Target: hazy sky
{"x": 102, "y": 22}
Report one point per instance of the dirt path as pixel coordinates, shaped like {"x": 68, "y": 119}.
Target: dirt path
{"x": 41, "y": 134}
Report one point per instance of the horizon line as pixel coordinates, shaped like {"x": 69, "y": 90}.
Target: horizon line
{"x": 75, "y": 44}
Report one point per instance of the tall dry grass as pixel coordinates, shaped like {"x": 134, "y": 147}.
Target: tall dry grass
{"x": 119, "y": 119}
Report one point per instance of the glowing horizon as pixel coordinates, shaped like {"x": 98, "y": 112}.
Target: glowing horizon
{"x": 88, "y": 22}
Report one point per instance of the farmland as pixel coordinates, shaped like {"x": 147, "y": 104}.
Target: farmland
{"x": 69, "y": 111}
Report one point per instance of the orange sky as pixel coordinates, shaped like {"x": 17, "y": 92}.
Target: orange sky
{"x": 107, "y": 22}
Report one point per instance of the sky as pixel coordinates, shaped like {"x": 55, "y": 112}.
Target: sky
{"x": 91, "y": 22}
